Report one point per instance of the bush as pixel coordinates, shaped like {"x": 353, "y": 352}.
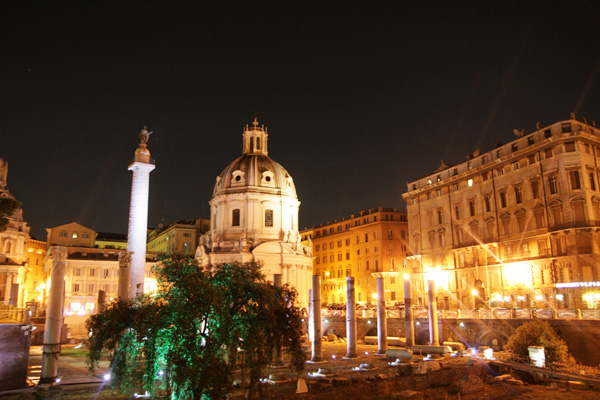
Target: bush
{"x": 538, "y": 333}
{"x": 187, "y": 334}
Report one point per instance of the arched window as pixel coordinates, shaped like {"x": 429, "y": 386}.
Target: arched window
{"x": 257, "y": 143}
{"x": 235, "y": 217}
{"x": 268, "y": 217}
{"x": 252, "y": 145}
{"x": 556, "y": 211}
{"x": 538, "y": 214}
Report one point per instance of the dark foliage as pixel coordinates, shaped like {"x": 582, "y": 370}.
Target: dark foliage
{"x": 187, "y": 334}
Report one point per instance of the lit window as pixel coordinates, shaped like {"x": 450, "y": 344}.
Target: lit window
{"x": 470, "y": 182}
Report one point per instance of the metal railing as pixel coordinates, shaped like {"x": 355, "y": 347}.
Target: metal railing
{"x": 484, "y": 313}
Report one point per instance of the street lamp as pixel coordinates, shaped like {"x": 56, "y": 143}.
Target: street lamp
{"x": 475, "y": 293}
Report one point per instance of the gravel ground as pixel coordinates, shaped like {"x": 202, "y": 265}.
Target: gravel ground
{"x": 456, "y": 379}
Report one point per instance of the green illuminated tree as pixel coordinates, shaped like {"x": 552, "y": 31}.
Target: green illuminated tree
{"x": 538, "y": 333}
{"x": 187, "y": 335}
{"x": 7, "y": 207}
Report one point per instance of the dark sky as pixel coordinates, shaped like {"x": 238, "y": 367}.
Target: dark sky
{"x": 359, "y": 97}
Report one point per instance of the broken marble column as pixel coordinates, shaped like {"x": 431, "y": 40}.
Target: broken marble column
{"x": 54, "y": 315}
{"x": 124, "y": 271}
{"x": 434, "y": 336}
{"x": 315, "y": 315}
{"x": 408, "y": 313}
{"x": 350, "y": 318}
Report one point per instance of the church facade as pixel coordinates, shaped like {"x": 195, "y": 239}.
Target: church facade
{"x": 254, "y": 217}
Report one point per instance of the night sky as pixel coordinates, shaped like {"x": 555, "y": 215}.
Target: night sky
{"x": 359, "y": 97}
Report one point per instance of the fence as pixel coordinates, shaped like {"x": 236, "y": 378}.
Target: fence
{"x": 494, "y": 313}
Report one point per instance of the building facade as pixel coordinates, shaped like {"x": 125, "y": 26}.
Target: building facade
{"x": 90, "y": 267}
{"x": 12, "y": 246}
{"x": 369, "y": 242}
{"x": 179, "y": 237}
{"x": 254, "y": 217}
{"x": 518, "y": 226}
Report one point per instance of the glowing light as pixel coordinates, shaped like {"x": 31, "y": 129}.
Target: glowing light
{"x": 462, "y": 324}
{"x": 369, "y": 322}
{"x": 161, "y": 372}
{"x": 474, "y": 351}
{"x": 374, "y": 296}
{"x": 417, "y": 323}
{"x": 560, "y": 297}
{"x": 406, "y": 276}
{"x": 366, "y": 353}
{"x": 57, "y": 380}
{"x": 439, "y": 276}
{"x": 333, "y": 356}
{"x": 107, "y": 376}
{"x": 470, "y": 182}
{"x": 517, "y": 273}
{"x": 577, "y": 284}
{"x": 474, "y": 292}
{"x": 488, "y": 353}
{"x": 539, "y": 297}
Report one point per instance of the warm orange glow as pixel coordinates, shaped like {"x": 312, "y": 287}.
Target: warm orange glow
{"x": 517, "y": 273}
{"x": 440, "y": 277}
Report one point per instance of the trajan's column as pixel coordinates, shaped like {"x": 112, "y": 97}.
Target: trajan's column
{"x": 138, "y": 214}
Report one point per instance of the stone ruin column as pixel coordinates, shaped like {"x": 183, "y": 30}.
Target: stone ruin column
{"x": 315, "y": 316}
{"x": 351, "y": 318}
{"x": 124, "y": 271}
{"x": 408, "y": 313}
{"x": 381, "y": 310}
{"x": 54, "y": 315}
{"x": 434, "y": 336}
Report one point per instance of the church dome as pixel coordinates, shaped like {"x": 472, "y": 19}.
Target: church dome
{"x": 254, "y": 168}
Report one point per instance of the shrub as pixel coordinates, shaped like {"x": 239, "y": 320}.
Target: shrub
{"x": 538, "y": 333}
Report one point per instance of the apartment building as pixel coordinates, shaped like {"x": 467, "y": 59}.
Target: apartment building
{"x": 368, "y": 242}
{"x": 518, "y": 226}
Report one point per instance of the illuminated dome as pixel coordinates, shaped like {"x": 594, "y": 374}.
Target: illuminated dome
{"x": 254, "y": 217}
{"x": 254, "y": 197}
{"x": 254, "y": 168}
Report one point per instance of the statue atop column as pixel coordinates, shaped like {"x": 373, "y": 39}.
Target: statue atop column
{"x": 144, "y": 135}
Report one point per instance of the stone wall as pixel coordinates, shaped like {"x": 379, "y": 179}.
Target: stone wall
{"x": 14, "y": 355}
{"x": 580, "y": 335}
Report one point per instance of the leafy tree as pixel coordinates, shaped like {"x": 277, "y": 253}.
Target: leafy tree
{"x": 538, "y": 333}
{"x": 7, "y": 207}
{"x": 188, "y": 333}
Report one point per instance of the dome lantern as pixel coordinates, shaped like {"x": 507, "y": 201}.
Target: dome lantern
{"x": 255, "y": 139}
